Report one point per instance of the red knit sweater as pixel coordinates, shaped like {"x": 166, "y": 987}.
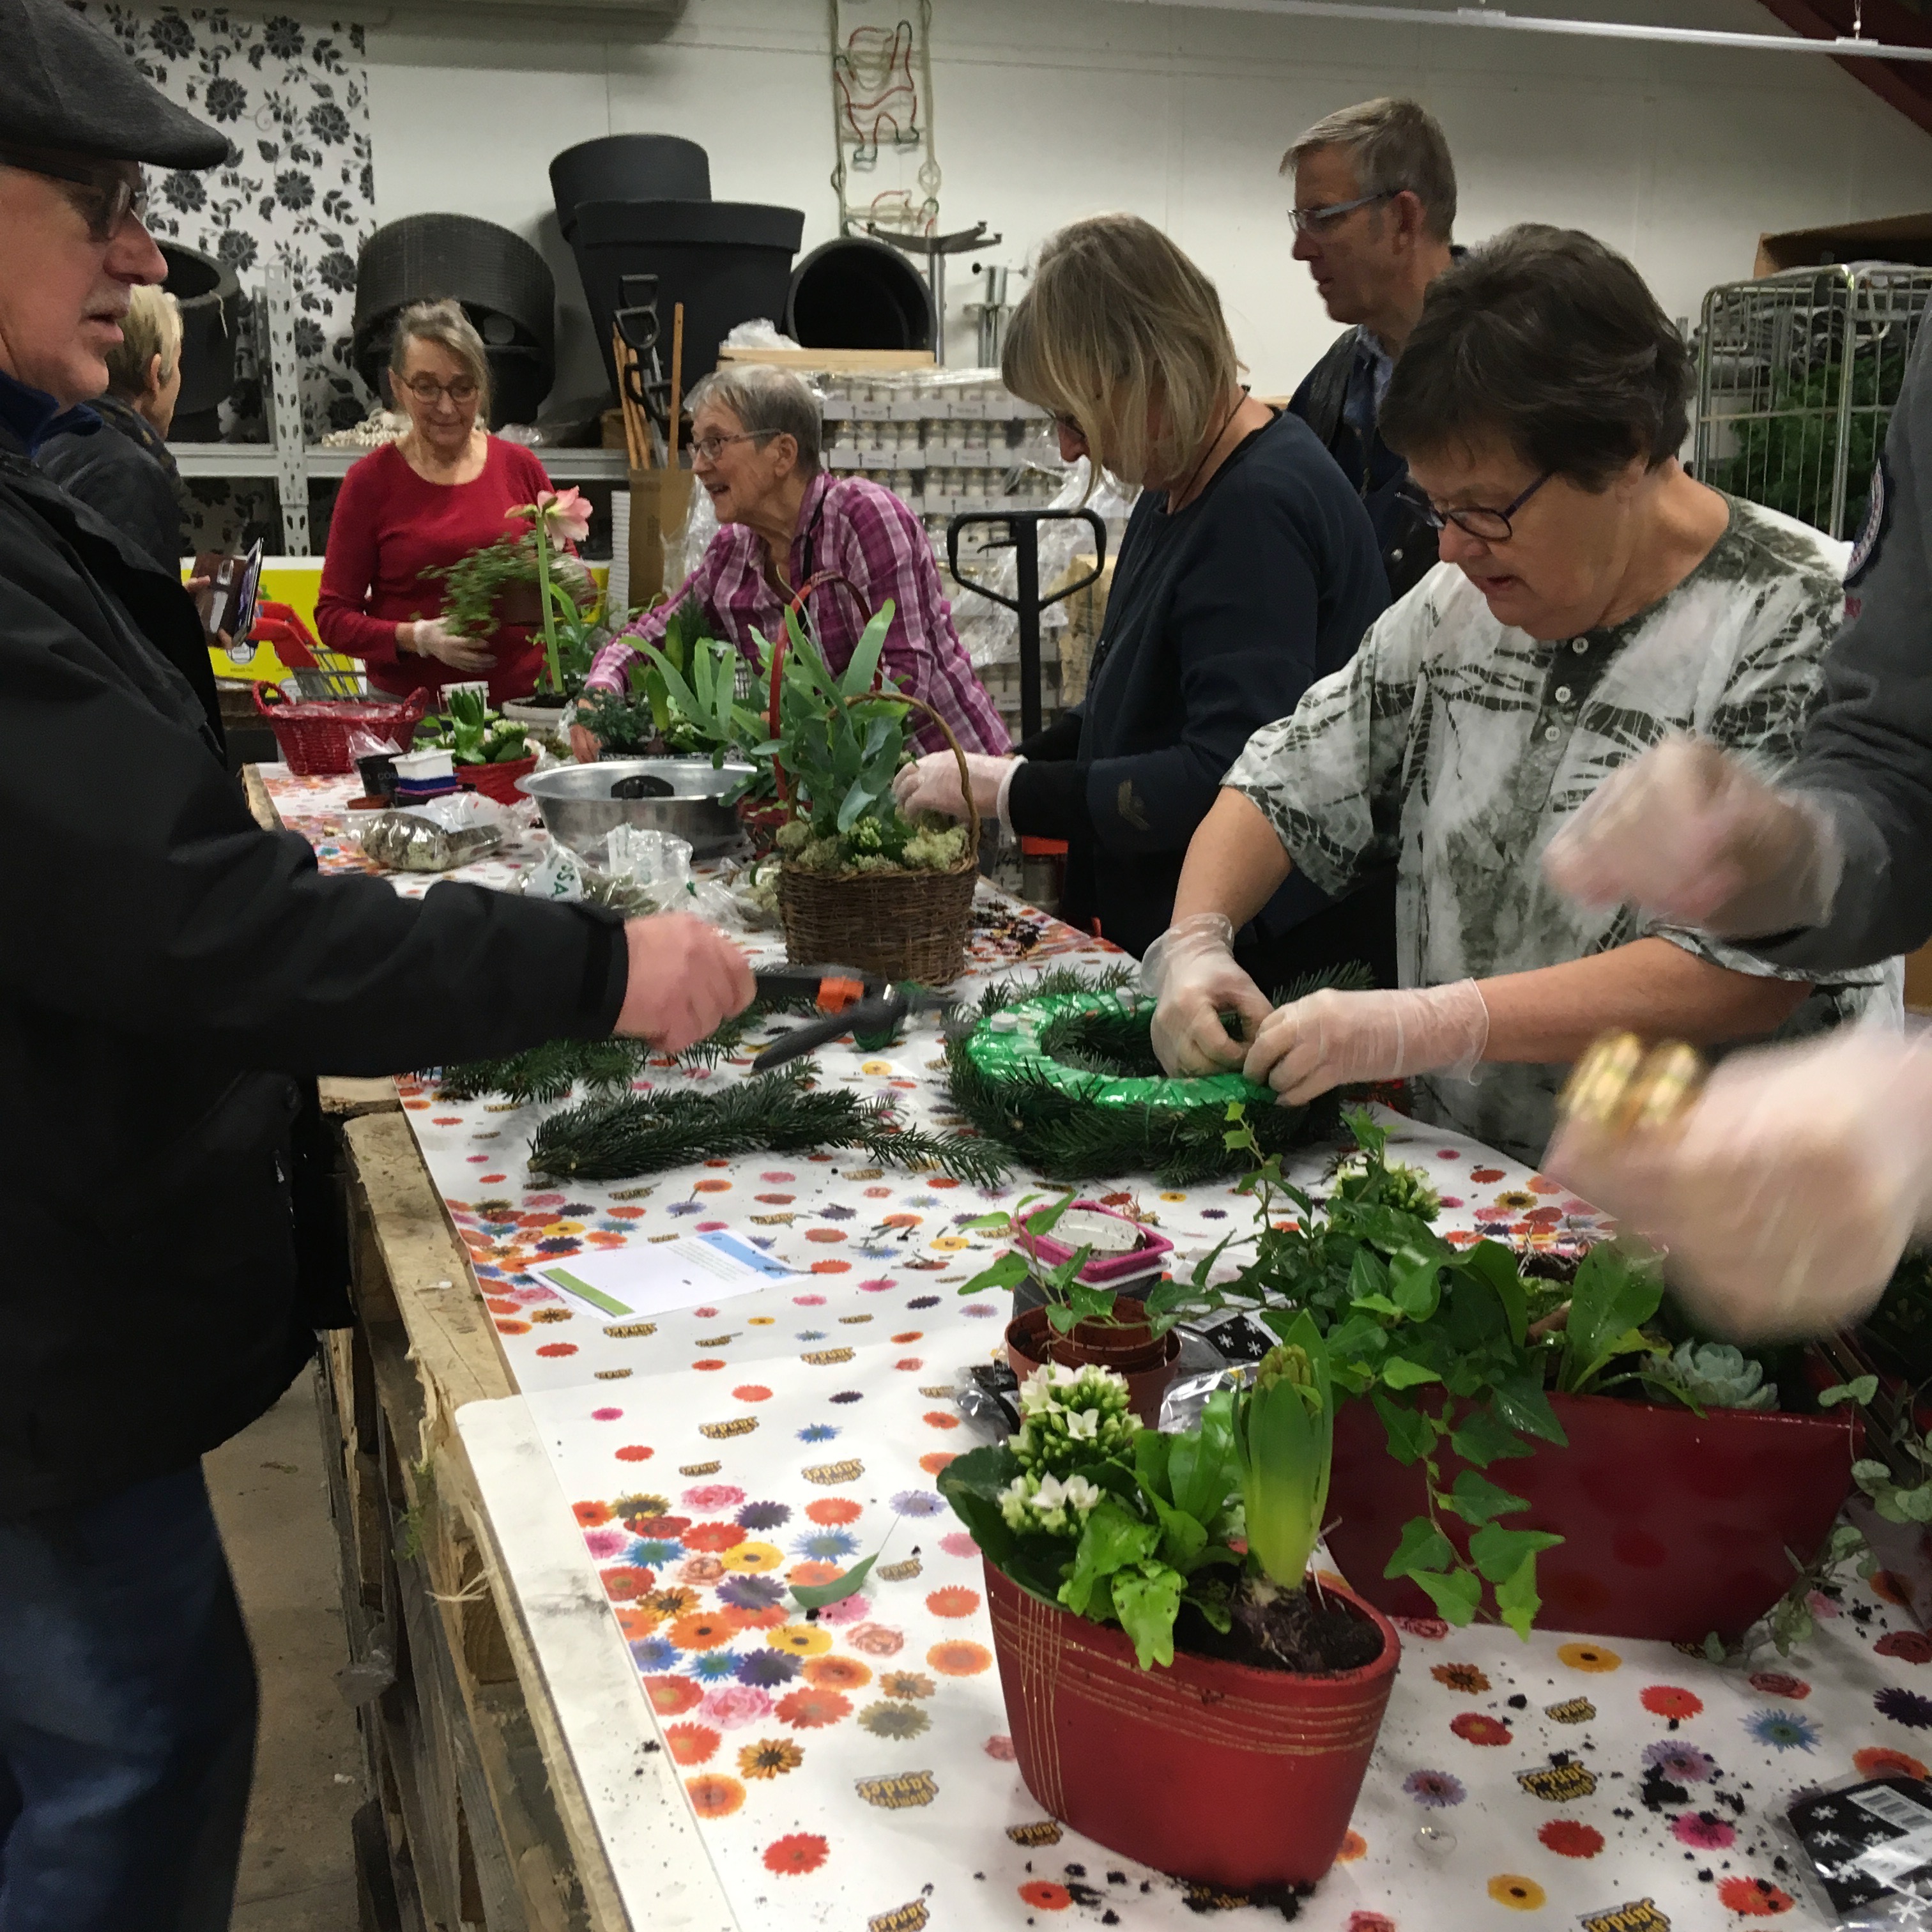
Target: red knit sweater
{"x": 389, "y": 526}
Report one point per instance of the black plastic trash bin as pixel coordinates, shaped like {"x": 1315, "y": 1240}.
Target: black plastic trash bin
{"x": 853, "y": 292}
{"x": 728, "y": 261}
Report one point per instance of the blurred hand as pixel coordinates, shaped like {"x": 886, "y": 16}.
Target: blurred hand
{"x": 685, "y": 978}
{"x": 931, "y": 784}
{"x": 1786, "y": 1195}
{"x": 1190, "y": 970}
{"x": 584, "y": 747}
{"x": 1688, "y": 834}
{"x": 1341, "y": 1040}
{"x": 429, "y": 639}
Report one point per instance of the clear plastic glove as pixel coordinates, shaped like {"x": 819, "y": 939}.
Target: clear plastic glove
{"x": 1688, "y": 834}
{"x": 1340, "y": 1039}
{"x": 1190, "y": 970}
{"x": 931, "y": 784}
{"x": 585, "y": 747}
{"x": 1786, "y": 1193}
{"x": 686, "y": 977}
{"x": 430, "y": 638}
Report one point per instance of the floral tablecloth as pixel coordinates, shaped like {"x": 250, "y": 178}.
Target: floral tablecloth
{"x": 857, "y": 1768}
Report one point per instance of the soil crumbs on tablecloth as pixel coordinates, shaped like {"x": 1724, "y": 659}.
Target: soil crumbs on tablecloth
{"x": 1302, "y": 1630}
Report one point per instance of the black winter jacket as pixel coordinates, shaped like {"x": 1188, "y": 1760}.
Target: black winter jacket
{"x": 124, "y": 470}
{"x": 171, "y": 980}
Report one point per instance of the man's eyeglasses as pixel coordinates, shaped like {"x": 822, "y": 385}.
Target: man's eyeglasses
{"x": 1490, "y": 526}
{"x": 426, "y": 389}
{"x": 108, "y": 193}
{"x": 1302, "y": 219}
{"x": 709, "y": 448}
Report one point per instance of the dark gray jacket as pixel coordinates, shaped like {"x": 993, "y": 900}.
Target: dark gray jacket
{"x": 1867, "y": 753}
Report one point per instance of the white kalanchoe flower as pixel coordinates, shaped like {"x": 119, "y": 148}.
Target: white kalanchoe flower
{"x": 1081, "y": 1494}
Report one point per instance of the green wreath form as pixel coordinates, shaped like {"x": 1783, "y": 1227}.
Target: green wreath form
{"x": 1064, "y": 1075}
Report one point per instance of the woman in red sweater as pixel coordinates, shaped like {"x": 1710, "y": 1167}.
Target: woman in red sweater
{"x": 443, "y": 489}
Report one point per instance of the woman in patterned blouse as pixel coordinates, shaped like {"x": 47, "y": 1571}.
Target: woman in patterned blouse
{"x": 783, "y": 521}
{"x": 1592, "y": 599}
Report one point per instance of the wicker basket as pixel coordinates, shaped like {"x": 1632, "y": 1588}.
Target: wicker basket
{"x": 314, "y": 734}
{"x": 900, "y": 925}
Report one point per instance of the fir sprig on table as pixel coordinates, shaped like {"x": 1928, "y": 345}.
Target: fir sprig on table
{"x": 1065, "y": 1137}
{"x": 780, "y": 1112}
{"x": 549, "y": 1071}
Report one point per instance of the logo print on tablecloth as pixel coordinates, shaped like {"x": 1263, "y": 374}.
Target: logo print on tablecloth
{"x": 899, "y": 1792}
{"x": 1557, "y": 1783}
{"x": 1639, "y": 1916}
{"x": 739, "y": 1425}
{"x": 829, "y": 1475}
{"x": 631, "y": 1330}
{"x": 1046, "y": 1832}
{"x": 910, "y": 1917}
{"x": 821, "y": 1358}
{"x": 1571, "y": 1711}
{"x": 901, "y": 1573}
{"x": 699, "y": 1468}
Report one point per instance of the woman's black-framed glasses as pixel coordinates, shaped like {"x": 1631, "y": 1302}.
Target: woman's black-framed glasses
{"x": 1490, "y": 526}
{"x": 426, "y": 389}
{"x": 111, "y": 193}
{"x": 709, "y": 448}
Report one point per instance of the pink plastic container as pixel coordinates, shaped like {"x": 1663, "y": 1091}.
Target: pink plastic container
{"x": 1147, "y": 1256}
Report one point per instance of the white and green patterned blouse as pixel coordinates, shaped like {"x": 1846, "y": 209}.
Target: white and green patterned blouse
{"x": 1457, "y": 747}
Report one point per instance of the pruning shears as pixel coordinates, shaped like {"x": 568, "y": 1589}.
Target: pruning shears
{"x": 848, "y": 999}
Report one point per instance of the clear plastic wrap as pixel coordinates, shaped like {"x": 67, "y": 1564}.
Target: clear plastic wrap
{"x": 435, "y": 837}
{"x": 1862, "y": 1851}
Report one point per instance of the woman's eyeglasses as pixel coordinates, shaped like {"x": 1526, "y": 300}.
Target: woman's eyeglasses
{"x": 1490, "y": 526}
{"x": 426, "y": 390}
{"x": 709, "y": 448}
{"x": 107, "y": 192}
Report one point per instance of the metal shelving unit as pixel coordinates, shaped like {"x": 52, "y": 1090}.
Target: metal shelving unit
{"x": 291, "y": 464}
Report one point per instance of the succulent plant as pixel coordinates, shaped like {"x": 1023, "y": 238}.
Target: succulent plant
{"x": 1714, "y": 1374}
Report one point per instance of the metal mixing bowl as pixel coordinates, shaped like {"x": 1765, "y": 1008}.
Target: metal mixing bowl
{"x": 578, "y": 810}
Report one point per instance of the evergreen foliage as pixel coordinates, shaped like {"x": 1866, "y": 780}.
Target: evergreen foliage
{"x": 780, "y": 1112}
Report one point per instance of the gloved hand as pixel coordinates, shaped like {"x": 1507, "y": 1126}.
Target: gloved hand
{"x": 1787, "y": 1192}
{"x": 430, "y": 638}
{"x": 1338, "y": 1039}
{"x": 1190, "y": 970}
{"x": 686, "y": 977}
{"x": 1688, "y": 834}
{"x": 931, "y": 784}
{"x": 585, "y": 747}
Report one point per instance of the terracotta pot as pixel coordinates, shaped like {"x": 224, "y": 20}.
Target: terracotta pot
{"x": 1675, "y": 1525}
{"x": 1210, "y": 1771}
{"x": 1030, "y": 1341}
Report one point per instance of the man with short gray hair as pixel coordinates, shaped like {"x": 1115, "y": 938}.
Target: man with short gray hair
{"x": 1375, "y": 206}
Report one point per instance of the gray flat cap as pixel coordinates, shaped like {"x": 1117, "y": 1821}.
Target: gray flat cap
{"x": 64, "y": 84}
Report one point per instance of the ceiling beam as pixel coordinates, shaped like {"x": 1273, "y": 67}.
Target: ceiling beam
{"x": 1896, "y": 84}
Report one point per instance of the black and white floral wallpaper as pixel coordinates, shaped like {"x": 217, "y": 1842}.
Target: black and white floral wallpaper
{"x": 298, "y": 188}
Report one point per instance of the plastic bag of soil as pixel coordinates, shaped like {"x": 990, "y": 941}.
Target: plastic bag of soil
{"x": 435, "y": 837}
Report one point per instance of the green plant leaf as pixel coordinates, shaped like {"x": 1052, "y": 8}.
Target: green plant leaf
{"x": 1517, "y": 1601}
{"x": 1520, "y": 1401}
{"x": 865, "y": 658}
{"x": 1491, "y": 1262}
{"x": 1007, "y": 1273}
{"x": 816, "y": 1596}
{"x": 1476, "y": 1500}
{"x": 1411, "y": 1435}
{"x": 1413, "y": 1282}
{"x": 1455, "y": 1594}
{"x": 1613, "y": 1296}
{"x": 1112, "y": 1539}
{"x": 1859, "y": 1389}
{"x": 1398, "y": 1371}
{"x": 1499, "y": 1552}
{"x": 1480, "y": 1437}
{"x": 1423, "y": 1546}
{"x": 1146, "y": 1600}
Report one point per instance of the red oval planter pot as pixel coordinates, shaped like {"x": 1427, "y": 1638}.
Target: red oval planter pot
{"x": 1147, "y": 1363}
{"x": 499, "y": 780}
{"x": 1675, "y": 1525}
{"x": 1210, "y": 1771}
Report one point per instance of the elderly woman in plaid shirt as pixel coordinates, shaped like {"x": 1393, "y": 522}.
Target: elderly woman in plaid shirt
{"x": 783, "y": 521}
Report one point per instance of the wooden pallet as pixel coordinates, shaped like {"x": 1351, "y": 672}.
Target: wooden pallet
{"x": 476, "y": 1818}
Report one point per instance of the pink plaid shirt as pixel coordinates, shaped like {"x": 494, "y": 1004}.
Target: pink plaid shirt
{"x": 864, "y": 531}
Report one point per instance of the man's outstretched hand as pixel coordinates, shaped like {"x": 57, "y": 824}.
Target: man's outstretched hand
{"x": 686, "y": 978}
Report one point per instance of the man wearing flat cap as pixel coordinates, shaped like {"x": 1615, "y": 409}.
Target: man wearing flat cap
{"x": 172, "y": 978}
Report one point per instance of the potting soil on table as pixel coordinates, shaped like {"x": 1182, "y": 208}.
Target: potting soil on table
{"x": 855, "y": 1768}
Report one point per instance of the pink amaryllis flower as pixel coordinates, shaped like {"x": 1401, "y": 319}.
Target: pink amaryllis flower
{"x": 564, "y": 515}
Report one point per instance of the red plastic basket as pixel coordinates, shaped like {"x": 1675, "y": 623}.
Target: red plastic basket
{"x": 313, "y": 732}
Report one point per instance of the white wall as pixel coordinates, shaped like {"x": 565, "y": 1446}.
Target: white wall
{"x": 1046, "y": 110}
